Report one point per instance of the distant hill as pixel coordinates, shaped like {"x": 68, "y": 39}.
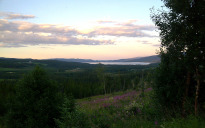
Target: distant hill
{"x": 73, "y": 63}
{"x": 74, "y": 60}
{"x": 49, "y": 63}
{"x": 149, "y": 59}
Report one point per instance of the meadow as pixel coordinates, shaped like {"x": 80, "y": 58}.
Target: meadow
{"x": 133, "y": 109}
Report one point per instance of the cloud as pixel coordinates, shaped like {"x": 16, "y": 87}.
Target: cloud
{"x": 156, "y": 45}
{"x": 127, "y": 29}
{"x": 22, "y": 33}
{"x": 18, "y": 39}
{"x": 128, "y": 23}
{"x": 23, "y": 26}
{"x": 146, "y": 42}
{"x": 123, "y": 30}
{"x": 106, "y": 22}
{"x": 11, "y": 16}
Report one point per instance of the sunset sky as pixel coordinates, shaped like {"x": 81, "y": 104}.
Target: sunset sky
{"x": 86, "y": 29}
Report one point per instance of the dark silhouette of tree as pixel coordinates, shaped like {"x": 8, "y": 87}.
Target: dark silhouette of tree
{"x": 181, "y": 72}
{"x": 36, "y": 103}
{"x": 7, "y": 94}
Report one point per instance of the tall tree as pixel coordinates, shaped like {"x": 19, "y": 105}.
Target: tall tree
{"x": 36, "y": 103}
{"x": 182, "y": 31}
{"x": 101, "y": 76}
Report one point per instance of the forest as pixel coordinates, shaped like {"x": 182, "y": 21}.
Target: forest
{"x": 169, "y": 94}
{"x": 79, "y": 80}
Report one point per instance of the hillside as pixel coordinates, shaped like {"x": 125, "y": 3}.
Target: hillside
{"x": 149, "y": 59}
{"x": 12, "y": 68}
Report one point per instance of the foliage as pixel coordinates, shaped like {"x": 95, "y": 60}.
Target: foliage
{"x": 71, "y": 116}
{"x": 80, "y": 79}
{"x": 170, "y": 78}
{"x": 36, "y": 103}
{"x": 180, "y": 76}
{"x": 7, "y": 94}
{"x": 189, "y": 122}
{"x": 89, "y": 83}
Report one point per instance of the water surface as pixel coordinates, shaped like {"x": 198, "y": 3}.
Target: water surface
{"x": 120, "y": 63}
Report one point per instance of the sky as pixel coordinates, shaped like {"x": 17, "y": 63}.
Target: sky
{"x": 86, "y": 29}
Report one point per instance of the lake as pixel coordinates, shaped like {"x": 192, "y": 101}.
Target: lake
{"x": 120, "y": 63}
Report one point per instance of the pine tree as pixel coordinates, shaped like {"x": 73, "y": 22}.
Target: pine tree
{"x": 71, "y": 116}
{"x": 36, "y": 103}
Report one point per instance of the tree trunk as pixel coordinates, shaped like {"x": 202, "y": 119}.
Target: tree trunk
{"x": 104, "y": 86}
{"x": 124, "y": 85}
{"x": 188, "y": 78}
{"x": 197, "y": 91}
{"x": 133, "y": 84}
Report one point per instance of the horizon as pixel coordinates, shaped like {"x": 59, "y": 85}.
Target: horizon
{"x": 98, "y": 30}
{"x": 79, "y": 58}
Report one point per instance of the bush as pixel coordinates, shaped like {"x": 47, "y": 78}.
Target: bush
{"x": 189, "y": 122}
{"x": 71, "y": 116}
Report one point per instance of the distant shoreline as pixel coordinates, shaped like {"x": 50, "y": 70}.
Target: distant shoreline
{"x": 119, "y": 63}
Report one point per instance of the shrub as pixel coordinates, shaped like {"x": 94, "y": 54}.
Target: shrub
{"x": 71, "y": 115}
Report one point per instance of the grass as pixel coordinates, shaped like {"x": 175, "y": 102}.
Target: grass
{"x": 122, "y": 109}
{"x": 130, "y": 109}
{"x": 189, "y": 122}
